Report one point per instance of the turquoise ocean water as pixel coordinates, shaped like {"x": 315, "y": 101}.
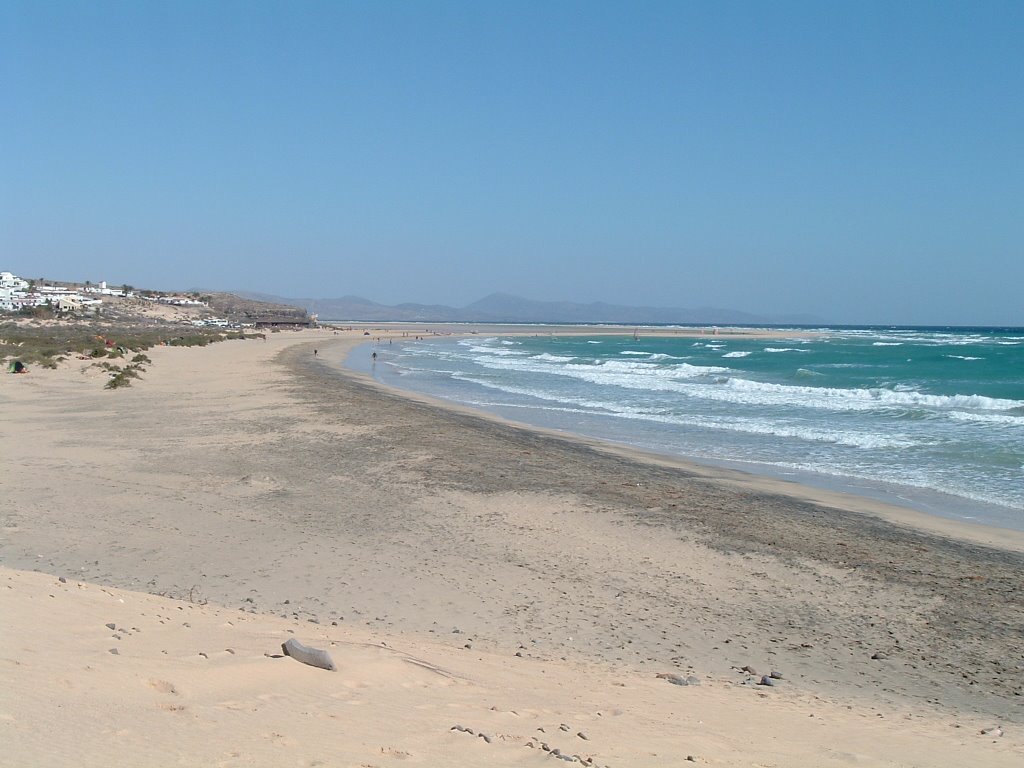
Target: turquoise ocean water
{"x": 926, "y": 417}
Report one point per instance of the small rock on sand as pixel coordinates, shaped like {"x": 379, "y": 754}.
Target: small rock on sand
{"x": 678, "y": 679}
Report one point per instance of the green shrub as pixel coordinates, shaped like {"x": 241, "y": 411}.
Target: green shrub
{"x": 191, "y": 341}
{"x": 123, "y": 378}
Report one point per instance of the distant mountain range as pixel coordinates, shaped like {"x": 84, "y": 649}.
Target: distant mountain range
{"x": 504, "y": 308}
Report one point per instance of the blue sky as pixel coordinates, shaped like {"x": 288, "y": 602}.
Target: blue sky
{"x": 859, "y": 161}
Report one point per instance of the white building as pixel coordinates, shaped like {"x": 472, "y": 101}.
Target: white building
{"x": 103, "y": 290}
{"x": 11, "y": 281}
{"x": 14, "y": 295}
{"x": 12, "y": 291}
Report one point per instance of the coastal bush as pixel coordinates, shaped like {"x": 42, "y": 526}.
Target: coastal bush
{"x": 123, "y": 377}
{"x": 48, "y": 357}
{"x": 45, "y": 346}
{"x": 191, "y": 341}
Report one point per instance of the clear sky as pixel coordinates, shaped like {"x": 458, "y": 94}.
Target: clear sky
{"x": 860, "y": 161}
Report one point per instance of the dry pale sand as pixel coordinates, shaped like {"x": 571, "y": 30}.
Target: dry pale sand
{"x": 462, "y": 572}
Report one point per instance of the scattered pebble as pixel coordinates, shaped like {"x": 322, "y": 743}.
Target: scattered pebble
{"x": 62, "y": 580}
{"x": 775, "y": 675}
{"x": 114, "y": 651}
{"x": 879, "y": 655}
{"x": 583, "y": 736}
{"x": 111, "y": 625}
{"x": 765, "y": 680}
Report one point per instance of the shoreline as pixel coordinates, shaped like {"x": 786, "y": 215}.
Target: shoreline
{"x": 826, "y": 491}
{"x": 252, "y": 479}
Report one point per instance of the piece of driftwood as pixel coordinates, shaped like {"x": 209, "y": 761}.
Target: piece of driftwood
{"x": 312, "y": 656}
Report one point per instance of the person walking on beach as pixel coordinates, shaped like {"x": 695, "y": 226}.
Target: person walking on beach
{"x": 314, "y": 353}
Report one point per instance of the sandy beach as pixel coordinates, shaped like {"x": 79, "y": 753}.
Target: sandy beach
{"x": 489, "y": 593}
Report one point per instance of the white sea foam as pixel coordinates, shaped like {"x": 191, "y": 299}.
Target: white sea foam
{"x": 547, "y": 357}
{"x": 484, "y": 348}
{"x": 921, "y": 479}
{"x": 887, "y": 344}
{"x": 964, "y": 357}
{"x": 751, "y": 426}
{"x": 849, "y": 438}
{"x": 735, "y": 354}
{"x": 988, "y": 418}
{"x": 701, "y": 382}
{"x": 633, "y": 352}
{"x": 785, "y": 349}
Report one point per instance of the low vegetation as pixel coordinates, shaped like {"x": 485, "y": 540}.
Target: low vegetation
{"x": 47, "y": 346}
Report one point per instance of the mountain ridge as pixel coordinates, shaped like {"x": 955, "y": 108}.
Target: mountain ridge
{"x": 506, "y": 308}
